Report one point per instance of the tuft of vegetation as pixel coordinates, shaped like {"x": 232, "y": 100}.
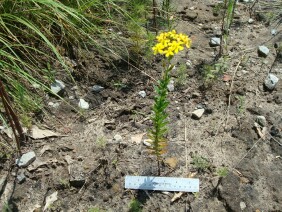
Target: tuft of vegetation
{"x": 135, "y": 206}
{"x": 213, "y": 71}
{"x": 182, "y": 76}
{"x": 222, "y": 172}
{"x": 201, "y": 163}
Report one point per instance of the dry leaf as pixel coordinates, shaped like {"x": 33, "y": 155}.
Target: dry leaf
{"x": 50, "y": 200}
{"x": 8, "y": 131}
{"x": 171, "y": 162}
{"x": 226, "y": 78}
{"x": 44, "y": 149}
{"x": 176, "y": 196}
{"x": 261, "y": 132}
{"x": 137, "y": 138}
{"x": 37, "y": 133}
{"x": 39, "y": 164}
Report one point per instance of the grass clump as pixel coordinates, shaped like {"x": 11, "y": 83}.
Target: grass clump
{"x": 135, "y": 206}
{"x": 222, "y": 172}
{"x": 201, "y": 163}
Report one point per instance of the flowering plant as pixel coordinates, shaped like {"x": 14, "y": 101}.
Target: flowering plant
{"x": 169, "y": 44}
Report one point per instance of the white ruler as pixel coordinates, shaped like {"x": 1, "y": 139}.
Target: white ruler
{"x": 162, "y": 183}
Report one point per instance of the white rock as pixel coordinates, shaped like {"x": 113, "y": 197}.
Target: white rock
{"x": 146, "y": 142}
{"x": 263, "y": 51}
{"x": 214, "y": 41}
{"x": 273, "y": 32}
{"x": 242, "y": 205}
{"x": 97, "y": 88}
{"x": 198, "y": 113}
{"x": 74, "y": 88}
{"x": 170, "y": 86}
{"x": 83, "y": 104}
{"x": 189, "y": 63}
{"x": 250, "y": 21}
{"x": 26, "y": 159}
{"x": 57, "y": 86}
{"x": 35, "y": 85}
{"x": 56, "y": 105}
{"x": 142, "y": 94}
{"x": 118, "y": 138}
{"x": 261, "y": 120}
{"x": 271, "y": 81}
{"x": 50, "y": 104}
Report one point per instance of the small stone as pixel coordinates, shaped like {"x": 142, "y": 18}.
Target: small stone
{"x": 83, "y": 104}
{"x": 261, "y": 120}
{"x": 26, "y": 159}
{"x": 263, "y": 51}
{"x": 190, "y": 15}
{"x": 97, "y": 88}
{"x": 118, "y": 138}
{"x": 147, "y": 142}
{"x": 250, "y": 21}
{"x": 197, "y": 114}
{"x": 271, "y": 81}
{"x": 189, "y": 63}
{"x": 57, "y": 86}
{"x": 242, "y": 205}
{"x": 71, "y": 97}
{"x": 142, "y": 94}
{"x": 21, "y": 177}
{"x": 244, "y": 72}
{"x": 56, "y": 105}
{"x": 50, "y": 104}
{"x": 273, "y": 32}
{"x": 35, "y": 85}
{"x": 170, "y": 86}
{"x": 278, "y": 98}
{"x": 214, "y": 41}
{"x": 74, "y": 88}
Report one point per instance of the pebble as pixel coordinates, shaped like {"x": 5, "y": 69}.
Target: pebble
{"x": 197, "y": 114}
{"x": 170, "y": 86}
{"x": 97, "y": 88}
{"x": 271, "y": 81}
{"x": 26, "y": 159}
{"x": 142, "y": 94}
{"x": 83, "y": 104}
{"x": 261, "y": 120}
{"x": 57, "y": 86}
{"x": 278, "y": 98}
{"x": 74, "y": 88}
{"x": 273, "y": 32}
{"x": 21, "y": 178}
{"x": 263, "y": 51}
{"x": 214, "y": 41}
{"x": 118, "y": 138}
{"x": 146, "y": 142}
{"x": 250, "y": 21}
{"x": 189, "y": 63}
{"x": 36, "y": 86}
{"x": 242, "y": 205}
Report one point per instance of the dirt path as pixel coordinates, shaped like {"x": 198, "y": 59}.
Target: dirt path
{"x": 87, "y": 168}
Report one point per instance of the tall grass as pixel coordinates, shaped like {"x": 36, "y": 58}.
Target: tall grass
{"x": 34, "y": 34}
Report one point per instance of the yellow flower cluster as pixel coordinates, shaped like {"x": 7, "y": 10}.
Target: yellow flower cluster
{"x": 170, "y": 43}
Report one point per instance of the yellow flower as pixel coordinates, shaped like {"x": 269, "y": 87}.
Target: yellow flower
{"x": 170, "y": 43}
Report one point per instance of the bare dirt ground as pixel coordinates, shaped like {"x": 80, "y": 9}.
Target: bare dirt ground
{"x": 87, "y": 167}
